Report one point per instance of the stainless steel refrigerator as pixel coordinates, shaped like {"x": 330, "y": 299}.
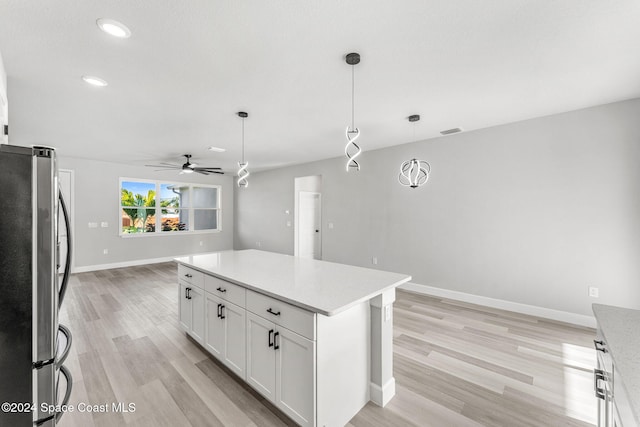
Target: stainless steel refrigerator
{"x": 33, "y": 345}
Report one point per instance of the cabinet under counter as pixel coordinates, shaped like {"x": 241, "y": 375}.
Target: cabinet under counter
{"x": 617, "y": 377}
{"x": 317, "y": 335}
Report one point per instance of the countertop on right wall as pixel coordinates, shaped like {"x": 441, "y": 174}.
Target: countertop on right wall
{"x": 620, "y": 328}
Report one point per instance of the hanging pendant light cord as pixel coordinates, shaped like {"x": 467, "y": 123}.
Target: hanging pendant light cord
{"x": 243, "y": 140}
{"x": 353, "y": 90}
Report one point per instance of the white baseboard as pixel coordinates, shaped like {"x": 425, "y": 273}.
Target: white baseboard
{"x": 547, "y": 313}
{"x": 97, "y": 267}
{"x": 382, "y": 395}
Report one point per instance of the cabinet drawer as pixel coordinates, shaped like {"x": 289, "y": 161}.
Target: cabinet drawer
{"x": 191, "y": 276}
{"x": 281, "y": 313}
{"x": 225, "y": 290}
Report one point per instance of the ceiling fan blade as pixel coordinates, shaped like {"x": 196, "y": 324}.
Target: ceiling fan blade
{"x": 169, "y": 164}
{"x": 206, "y": 168}
{"x": 202, "y": 172}
{"x": 165, "y": 167}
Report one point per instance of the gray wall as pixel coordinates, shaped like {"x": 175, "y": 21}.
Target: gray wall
{"x": 97, "y": 199}
{"x": 532, "y": 212}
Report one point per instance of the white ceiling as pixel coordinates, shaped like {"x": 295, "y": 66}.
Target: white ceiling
{"x": 189, "y": 66}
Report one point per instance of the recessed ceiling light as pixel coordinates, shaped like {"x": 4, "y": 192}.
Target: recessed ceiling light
{"x": 95, "y": 81}
{"x": 115, "y": 28}
{"x": 217, "y": 150}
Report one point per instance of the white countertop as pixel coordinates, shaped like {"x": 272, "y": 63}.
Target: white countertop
{"x": 621, "y": 332}
{"x": 320, "y": 286}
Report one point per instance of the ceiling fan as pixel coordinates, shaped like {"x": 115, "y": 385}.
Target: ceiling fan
{"x": 188, "y": 167}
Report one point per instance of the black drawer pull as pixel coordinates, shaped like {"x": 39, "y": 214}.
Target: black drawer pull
{"x": 188, "y": 275}
{"x": 598, "y": 374}
{"x": 221, "y": 290}
{"x": 275, "y": 341}
{"x": 600, "y": 345}
{"x": 222, "y": 316}
{"x": 219, "y": 305}
{"x": 273, "y": 312}
{"x": 270, "y": 337}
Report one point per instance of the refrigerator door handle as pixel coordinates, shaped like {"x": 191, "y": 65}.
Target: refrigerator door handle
{"x": 67, "y": 394}
{"x": 67, "y": 347}
{"x": 67, "y": 263}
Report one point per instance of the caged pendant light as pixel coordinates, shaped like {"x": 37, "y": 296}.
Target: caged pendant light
{"x": 414, "y": 173}
{"x": 352, "y": 150}
{"x": 243, "y": 173}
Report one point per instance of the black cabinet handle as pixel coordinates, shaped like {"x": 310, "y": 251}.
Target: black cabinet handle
{"x": 275, "y": 341}
{"x": 222, "y": 316}
{"x": 219, "y": 305}
{"x": 599, "y": 345}
{"x": 273, "y": 312}
{"x": 188, "y": 293}
{"x": 270, "y": 337}
{"x": 221, "y": 290}
{"x": 598, "y": 374}
{"x": 188, "y": 275}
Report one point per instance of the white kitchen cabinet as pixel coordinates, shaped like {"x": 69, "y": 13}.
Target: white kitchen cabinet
{"x": 192, "y": 307}
{"x": 225, "y": 333}
{"x": 185, "y": 306}
{"x": 295, "y": 376}
{"x": 261, "y": 358}
{"x": 281, "y": 366}
{"x": 196, "y": 296}
{"x": 214, "y": 341}
{"x": 617, "y": 377}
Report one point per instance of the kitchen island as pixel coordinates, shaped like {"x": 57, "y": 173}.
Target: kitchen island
{"x": 313, "y": 337}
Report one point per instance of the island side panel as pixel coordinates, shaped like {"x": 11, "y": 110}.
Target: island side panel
{"x": 383, "y": 384}
{"x": 343, "y": 364}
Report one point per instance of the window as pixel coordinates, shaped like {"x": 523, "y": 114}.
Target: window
{"x": 165, "y": 208}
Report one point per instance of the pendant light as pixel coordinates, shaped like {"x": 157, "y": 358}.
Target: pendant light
{"x": 414, "y": 173}
{"x": 352, "y": 150}
{"x": 243, "y": 173}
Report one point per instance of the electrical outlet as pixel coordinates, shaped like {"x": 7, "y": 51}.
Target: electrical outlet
{"x": 594, "y": 292}
{"x": 105, "y": 251}
{"x": 374, "y": 260}
{"x": 330, "y": 226}
{"x": 288, "y": 223}
{"x": 104, "y": 224}
{"x": 201, "y": 243}
{"x": 93, "y": 225}
{"x": 258, "y": 244}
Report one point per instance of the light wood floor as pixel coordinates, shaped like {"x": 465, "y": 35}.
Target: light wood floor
{"x": 455, "y": 364}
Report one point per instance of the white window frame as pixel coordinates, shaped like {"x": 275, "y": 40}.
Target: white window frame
{"x": 158, "y": 209}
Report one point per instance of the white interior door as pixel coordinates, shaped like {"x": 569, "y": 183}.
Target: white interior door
{"x": 309, "y": 225}
{"x": 65, "y": 178}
